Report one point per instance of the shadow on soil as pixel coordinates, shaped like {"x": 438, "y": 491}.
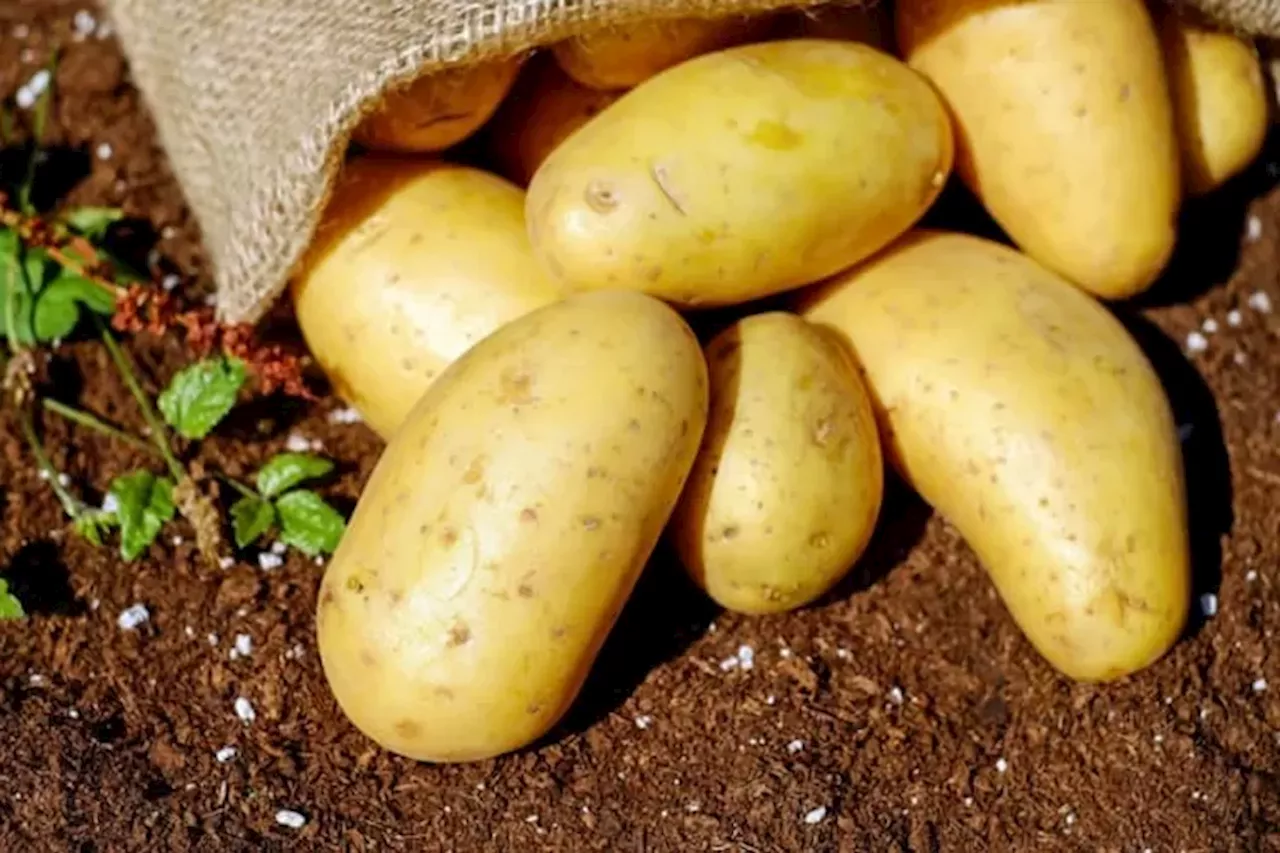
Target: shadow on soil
{"x": 1204, "y": 453}
{"x": 40, "y": 580}
{"x": 664, "y": 616}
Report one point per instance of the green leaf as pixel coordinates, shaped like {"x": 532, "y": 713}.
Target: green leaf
{"x": 286, "y": 470}
{"x": 38, "y": 266}
{"x": 10, "y": 606}
{"x": 94, "y": 525}
{"x": 92, "y": 222}
{"x": 145, "y": 504}
{"x": 309, "y": 524}
{"x": 250, "y": 518}
{"x": 200, "y": 396}
{"x": 58, "y": 305}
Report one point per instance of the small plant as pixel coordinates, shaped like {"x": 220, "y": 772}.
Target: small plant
{"x": 56, "y": 279}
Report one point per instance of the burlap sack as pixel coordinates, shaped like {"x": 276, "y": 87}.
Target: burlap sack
{"x": 254, "y": 100}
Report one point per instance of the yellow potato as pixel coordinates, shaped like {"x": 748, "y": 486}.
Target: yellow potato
{"x": 413, "y": 263}
{"x": 438, "y": 110}
{"x": 786, "y": 490}
{"x": 872, "y": 25}
{"x": 742, "y": 174}
{"x": 506, "y": 524}
{"x": 625, "y": 56}
{"x": 1220, "y": 101}
{"x": 1064, "y": 128}
{"x": 543, "y": 109}
{"x": 1024, "y": 412}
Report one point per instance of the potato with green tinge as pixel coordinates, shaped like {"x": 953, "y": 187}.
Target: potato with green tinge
{"x": 786, "y": 489}
{"x": 438, "y": 110}
{"x": 414, "y": 262}
{"x": 1064, "y": 128}
{"x": 625, "y": 56}
{"x": 1220, "y": 100}
{"x": 1024, "y": 412}
{"x": 742, "y": 174}
{"x": 506, "y": 524}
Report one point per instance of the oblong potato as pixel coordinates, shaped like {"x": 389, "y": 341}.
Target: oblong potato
{"x": 438, "y": 110}
{"x": 506, "y": 524}
{"x": 742, "y": 174}
{"x": 786, "y": 489}
{"x": 545, "y": 106}
{"x": 1220, "y": 101}
{"x": 414, "y": 262}
{"x": 625, "y": 56}
{"x": 1064, "y": 128}
{"x": 1026, "y": 415}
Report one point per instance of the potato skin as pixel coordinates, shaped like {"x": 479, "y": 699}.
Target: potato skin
{"x": 626, "y": 56}
{"x": 1025, "y": 414}
{"x": 545, "y": 106}
{"x": 438, "y": 110}
{"x": 1064, "y": 128}
{"x": 742, "y": 174}
{"x": 1220, "y": 101}
{"x": 786, "y": 489}
{"x": 506, "y": 524}
{"x": 414, "y": 262}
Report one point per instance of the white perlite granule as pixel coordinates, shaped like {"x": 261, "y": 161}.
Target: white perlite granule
{"x": 291, "y": 819}
{"x": 244, "y": 710}
{"x": 131, "y": 617}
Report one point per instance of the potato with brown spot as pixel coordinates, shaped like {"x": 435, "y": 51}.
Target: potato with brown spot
{"x": 1023, "y": 411}
{"x": 414, "y": 262}
{"x": 1220, "y": 100}
{"x": 438, "y": 110}
{"x": 502, "y": 613}
{"x": 625, "y": 56}
{"x": 1064, "y": 128}
{"x": 742, "y": 173}
{"x": 786, "y": 489}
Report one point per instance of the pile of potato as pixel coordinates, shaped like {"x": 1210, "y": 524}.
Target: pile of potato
{"x": 530, "y": 354}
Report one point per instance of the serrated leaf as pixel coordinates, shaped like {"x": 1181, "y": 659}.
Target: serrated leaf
{"x": 286, "y": 470}
{"x": 92, "y": 222}
{"x": 200, "y": 396}
{"x": 145, "y": 503}
{"x": 94, "y": 525}
{"x": 250, "y": 518}
{"x": 308, "y": 523}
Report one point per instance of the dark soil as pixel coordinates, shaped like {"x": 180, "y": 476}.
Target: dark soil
{"x": 908, "y": 706}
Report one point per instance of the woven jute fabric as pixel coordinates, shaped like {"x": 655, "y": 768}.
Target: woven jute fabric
{"x": 255, "y": 100}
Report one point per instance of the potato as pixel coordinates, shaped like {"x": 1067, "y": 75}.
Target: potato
{"x": 786, "y": 490}
{"x": 1021, "y": 410}
{"x": 438, "y": 110}
{"x": 1220, "y": 101}
{"x": 742, "y": 174}
{"x": 543, "y": 109}
{"x": 625, "y": 56}
{"x": 506, "y": 524}
{"x": 871, "y": 25}
{"x": 1064, "y": 128}
{"x": 414, "y": 262}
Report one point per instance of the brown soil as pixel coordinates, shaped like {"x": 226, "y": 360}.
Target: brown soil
{"x": 908, "y": 705}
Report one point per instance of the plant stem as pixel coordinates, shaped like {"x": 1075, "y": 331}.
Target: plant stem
{"x": 93, "y": 422}
{"x": 159, "y": 434}
{"x": 240, "y": 487}
{"x": 70, "y": 505}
